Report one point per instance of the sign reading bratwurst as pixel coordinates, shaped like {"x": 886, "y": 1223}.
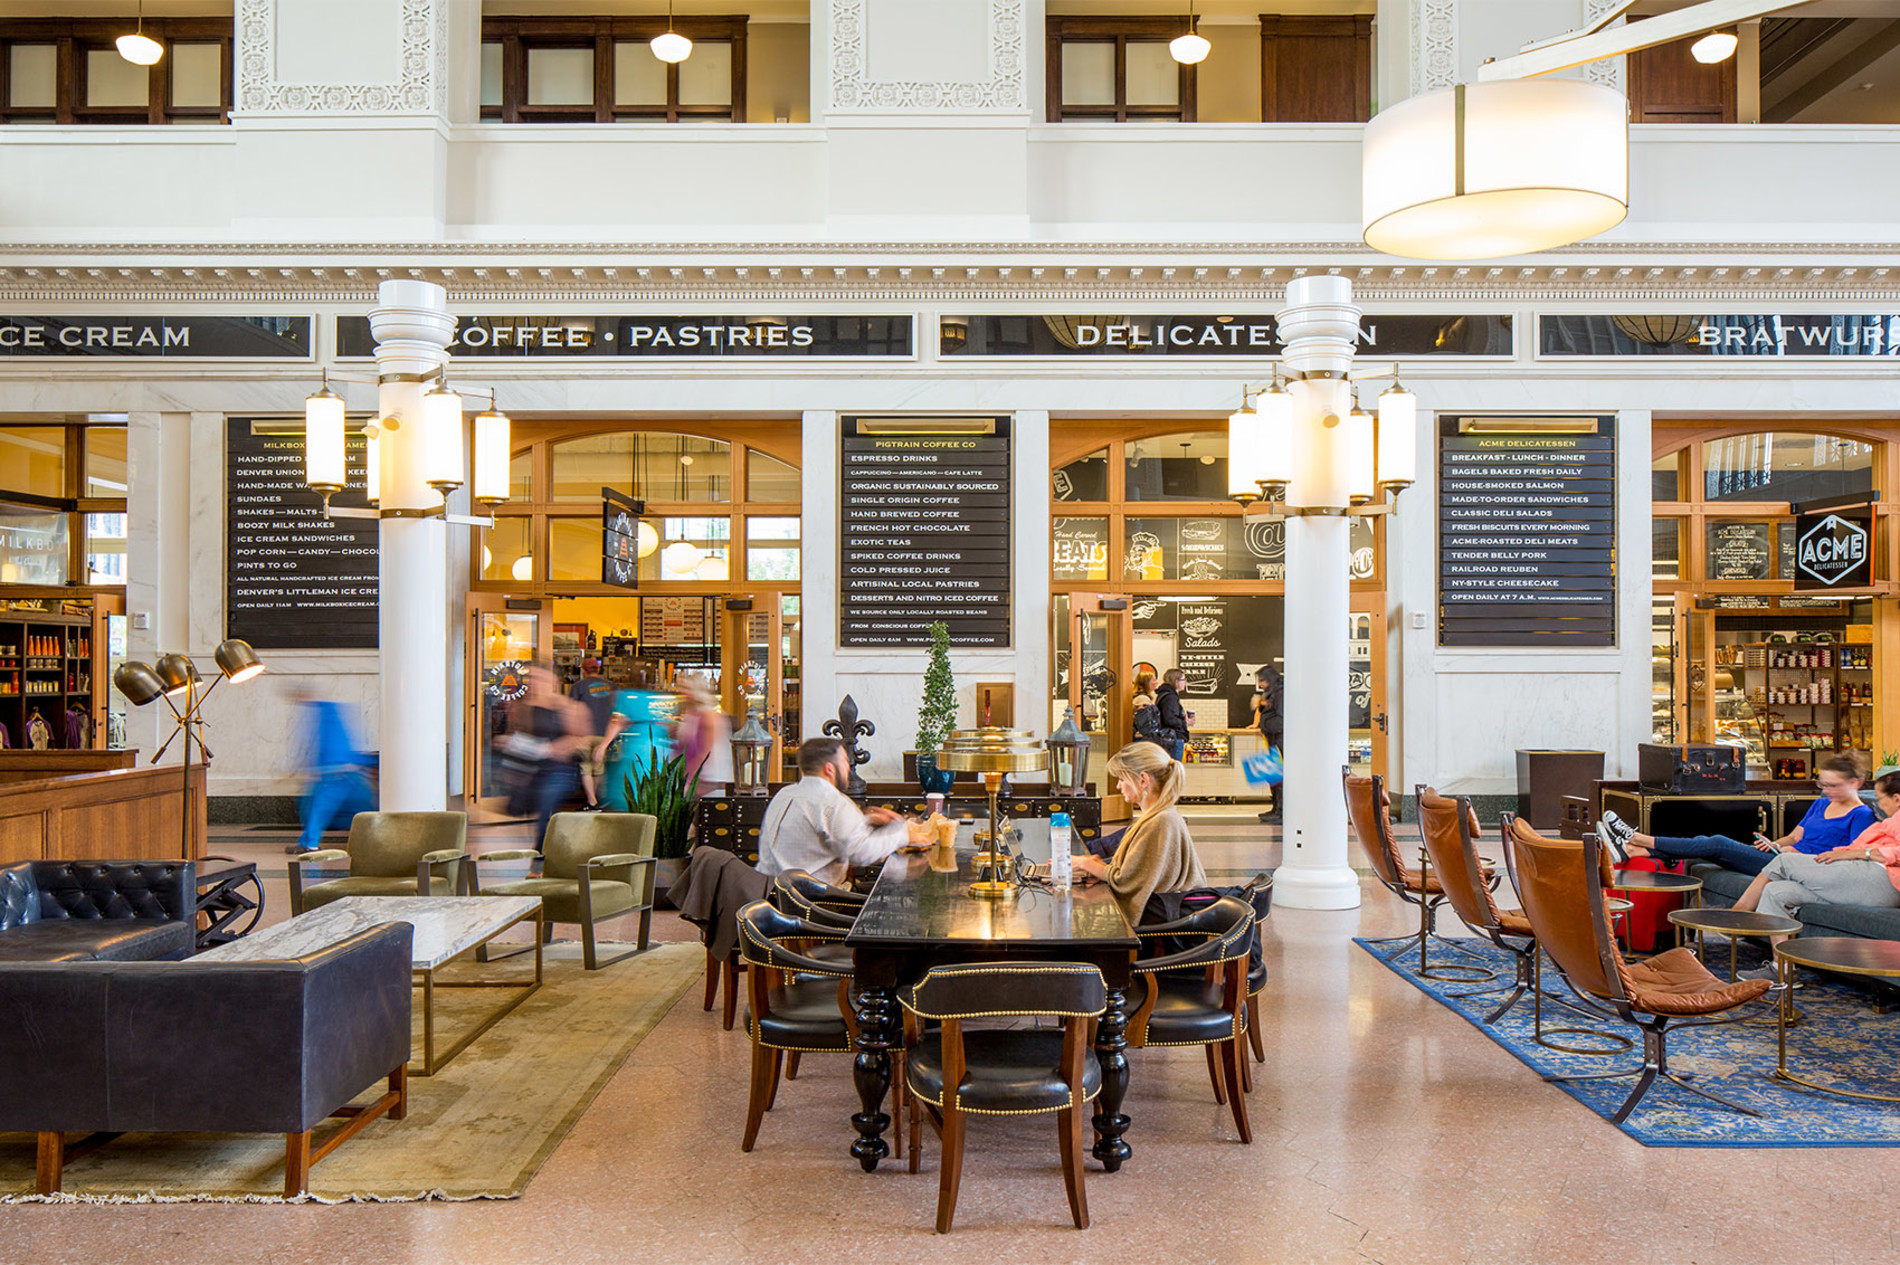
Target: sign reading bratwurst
{"x": 771, "y": 337}
{"x": 924, "y": 530}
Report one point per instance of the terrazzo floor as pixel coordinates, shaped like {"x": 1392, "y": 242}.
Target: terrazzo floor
{"x": 1385, "y": 1129}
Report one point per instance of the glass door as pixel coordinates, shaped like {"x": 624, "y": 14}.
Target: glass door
{"x": 1367, "y": 724}
{"x": 504, "y": 643}
{"x": 752, "y": 664}
{"x": 1094, "y": 661}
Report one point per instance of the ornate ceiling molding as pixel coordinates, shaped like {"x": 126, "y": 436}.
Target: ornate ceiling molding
{"x": 1434, "y": 44}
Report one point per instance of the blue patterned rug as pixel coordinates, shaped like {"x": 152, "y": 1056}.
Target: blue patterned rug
{"x": 1840, "y": 1041}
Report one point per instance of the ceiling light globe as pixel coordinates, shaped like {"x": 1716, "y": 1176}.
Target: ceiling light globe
{"x": 140, "y": 50}
{"x": 1189, "y": 49}
{"x": 671, "y": 46}
{"x": 1715, "y": 47}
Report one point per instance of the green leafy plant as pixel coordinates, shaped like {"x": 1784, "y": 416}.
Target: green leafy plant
{"x": 665, "y": 792}
{"x": 938, "y": 714}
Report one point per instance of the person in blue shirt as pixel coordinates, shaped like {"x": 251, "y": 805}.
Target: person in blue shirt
{"x": 340, "y": 772}
{"x": 636, "y": 737}
{"x": 1833, "y": 821}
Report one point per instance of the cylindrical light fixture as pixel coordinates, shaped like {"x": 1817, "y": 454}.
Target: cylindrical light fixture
{"x": 1273, "y": 450}
{"x": 237, "y": 660}
{"x": 1504, "y": 167}
{"x": 1243, "y": 449}
{"x": 1362, "y": 476}
{"x": 442, "y": 464}
{"x": 137, "y": 682}
{"x": 324, "y": 463}
{"x": 1398, "y": 438}
{"x": 1319, "y": 462}
{"x": 490, "y": 482}
{"x": 1715, "y": 47}
{"x": 373, "y": 462}
{"x": 177, "y": 673}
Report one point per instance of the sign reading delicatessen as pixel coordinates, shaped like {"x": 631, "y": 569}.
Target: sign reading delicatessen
{"x": 1527, "y": 531}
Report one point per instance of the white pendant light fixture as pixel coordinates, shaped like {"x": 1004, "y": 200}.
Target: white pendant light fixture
{"x": 1273, "y": 453}
{"x": 1398, "y": 438}
{"x": 324, "y": 463}
{"x": 522, "y": 568}
{"x": 489, "y": 484}
{"x": 670, "y": 46}
{"x": 1503, "y": 167}
{"x": 442, "y": 464}
{"x": 1715, "y": 47}
{"x": 1190, "y": 49}
{"x": 373, "y": 463}
{"x": 646, "y": 540}
{"x": 1243, "y": 454}
{"x": 681, "y": 559}
{"x": 139, "y": 48}
{"x": 1361, "y": 476}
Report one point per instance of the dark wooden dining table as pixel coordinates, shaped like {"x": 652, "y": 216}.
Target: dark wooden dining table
{"x": 921, "y": 914}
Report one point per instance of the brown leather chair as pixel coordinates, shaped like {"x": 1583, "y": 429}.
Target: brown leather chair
{"x": 1562, "y": 887}
{"x": 1369, "y": 808}
{"x": 1449, "y": 828}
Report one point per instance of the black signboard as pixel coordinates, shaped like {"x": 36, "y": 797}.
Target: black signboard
{"x": 296, "y": 579}
{"x": 1741, "y": 551}
{"x": 620, "y": 539}
{"x": 1221, "y": 334}
{"x": 1834, "y": 549}
{"x": 924, "y": 531}
{"x": 1527, "y": 531}
{"x": 1219, "y": 643}
{"x": 1805, "y": 334}
{"x": 772, "y": 337}
{"x": 164, "y": 337}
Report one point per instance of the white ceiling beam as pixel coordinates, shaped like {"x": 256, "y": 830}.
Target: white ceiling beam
{"x": 1710, "y": 15}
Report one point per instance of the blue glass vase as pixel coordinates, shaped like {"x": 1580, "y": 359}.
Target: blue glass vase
{"x": 933, "y": 780}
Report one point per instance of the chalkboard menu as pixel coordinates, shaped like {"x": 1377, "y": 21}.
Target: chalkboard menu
{"x": 1741, "y": 551}
{"x": 1219, "y": 642}
{"x": 924, "y": 531}
{"x": 296, "y": 579}
{"x": 1527, "y": 531}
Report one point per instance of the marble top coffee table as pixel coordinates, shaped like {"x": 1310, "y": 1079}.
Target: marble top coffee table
{"x": 446, "y": 927}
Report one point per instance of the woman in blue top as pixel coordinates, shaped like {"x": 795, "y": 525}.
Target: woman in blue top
{"x": 636, "y": 737}
{"x": 1833, "y": 821}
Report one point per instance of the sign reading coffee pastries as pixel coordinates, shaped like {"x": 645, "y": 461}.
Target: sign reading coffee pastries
{"x": 1527, "y": 531}
{"x": 296, "y": 579}
{"x": 773, "y": 337}
{"x": 924, "y": 530}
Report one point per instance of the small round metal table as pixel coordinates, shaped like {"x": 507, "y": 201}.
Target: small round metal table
{"x": 1845, "y": 955}
{"x": 1733, "y": 923}
{"x": 1656, "y": 883}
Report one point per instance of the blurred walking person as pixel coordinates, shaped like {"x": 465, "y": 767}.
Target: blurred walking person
{"x": 555, "y": 729}
{"x": 341, "y": 774}
{"x": 596, "y": 693}
{"x": 636, "y": 737}
{"x": 703, "y": 735}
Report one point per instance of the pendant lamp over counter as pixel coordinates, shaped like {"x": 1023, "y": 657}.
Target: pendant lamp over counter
{"x": 1502, "y": 167}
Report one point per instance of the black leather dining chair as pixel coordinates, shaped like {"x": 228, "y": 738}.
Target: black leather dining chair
{"x": 1198, "y": 996}
{"x": 953, "y": 1071}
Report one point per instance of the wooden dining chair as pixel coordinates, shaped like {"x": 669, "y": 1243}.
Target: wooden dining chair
{"x": 1198, "y": 996}
{"x": 955, "y": 1070}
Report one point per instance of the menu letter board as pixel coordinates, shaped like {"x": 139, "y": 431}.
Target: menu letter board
{"x": 924, "y": 531}
{"x": 1527, "y": 531}
{"x": 297, "y": 579}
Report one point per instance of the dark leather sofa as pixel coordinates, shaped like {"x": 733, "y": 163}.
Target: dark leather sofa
{"x": 110, "y": 911}
{"x": 1722, "y": 887}
{"x": 201, "y": 1047}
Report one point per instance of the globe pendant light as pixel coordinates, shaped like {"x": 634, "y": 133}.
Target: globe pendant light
{"x": 670, "y": 46}
{"x": 1715, "y": 47}
{"x": 1501, "y": 167}
{"x": 139, "y": 48}
{"x": 1190, "y": 49}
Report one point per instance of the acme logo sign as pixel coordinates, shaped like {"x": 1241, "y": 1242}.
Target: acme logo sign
{"x": 1833, "y": 550}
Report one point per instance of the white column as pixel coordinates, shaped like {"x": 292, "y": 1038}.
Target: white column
{"x": 412, "y": 327}
{"x": 1320, "y": 327}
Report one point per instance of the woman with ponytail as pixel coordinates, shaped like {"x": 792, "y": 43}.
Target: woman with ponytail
{"x": 1157, "y": 852}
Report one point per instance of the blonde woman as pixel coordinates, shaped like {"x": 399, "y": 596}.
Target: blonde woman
{"x": 1157, "y": 852}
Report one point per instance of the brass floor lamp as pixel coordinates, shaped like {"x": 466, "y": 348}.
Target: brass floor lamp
{"x": 176, "y": 677}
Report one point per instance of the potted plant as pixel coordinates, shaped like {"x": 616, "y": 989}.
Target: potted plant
{"x": 937, "y": 715}
{"x": 1889, "y": 763}
{"x": 666, "y": 792}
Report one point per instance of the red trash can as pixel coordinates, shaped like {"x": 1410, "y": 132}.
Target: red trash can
{"x": 1648, "y": 927}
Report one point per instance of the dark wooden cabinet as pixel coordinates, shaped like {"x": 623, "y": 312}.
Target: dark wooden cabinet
{"x": 1315, "y": 69}
{"x": 1668, "y": 85}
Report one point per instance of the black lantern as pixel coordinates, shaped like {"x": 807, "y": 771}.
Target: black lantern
{"x": 751, "y": 756}
{"x": 1068, "y": 758}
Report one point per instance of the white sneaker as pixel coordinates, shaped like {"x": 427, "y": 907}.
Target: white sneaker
{"x": 1607, "y": 837}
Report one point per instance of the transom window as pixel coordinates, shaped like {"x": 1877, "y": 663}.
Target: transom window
{"x": 60, "y": 70}
{"x": 1117, "y": 69}
{"x": 599, "y": 70}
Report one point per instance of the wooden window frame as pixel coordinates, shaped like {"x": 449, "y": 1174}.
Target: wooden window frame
{"x": 518, "y": 35}
{"x": 72, "y": 38}
{"x": 1357, "y": 27}
{"x": 1120, "y": 32}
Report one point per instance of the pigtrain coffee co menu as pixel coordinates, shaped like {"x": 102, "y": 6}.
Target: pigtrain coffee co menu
{"x": 1527, "y": 531}
{"x": 297, "y": 580}
{"x": 924, "y": 530}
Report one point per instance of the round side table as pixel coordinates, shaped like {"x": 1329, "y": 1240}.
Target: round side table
{"x": 1733, "y": 923}
{"x": 1845, "y": 955}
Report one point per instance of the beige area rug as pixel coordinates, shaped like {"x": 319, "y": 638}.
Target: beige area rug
{"x": 480, "y": 1128}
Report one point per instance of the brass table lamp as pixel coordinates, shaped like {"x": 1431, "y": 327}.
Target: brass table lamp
{"x": 992, "y": 752}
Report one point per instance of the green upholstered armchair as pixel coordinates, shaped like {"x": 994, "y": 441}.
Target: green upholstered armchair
{"x": 390, "y": 854}
{"x": 594, "y": 866}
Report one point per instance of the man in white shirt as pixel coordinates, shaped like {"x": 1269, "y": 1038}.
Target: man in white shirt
{"x": 815, "y": 827}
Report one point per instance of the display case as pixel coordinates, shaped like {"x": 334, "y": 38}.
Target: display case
{"x": 1790, "y": 701}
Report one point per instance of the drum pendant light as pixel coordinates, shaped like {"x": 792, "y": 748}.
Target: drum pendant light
{"x": 1502, "y": 167}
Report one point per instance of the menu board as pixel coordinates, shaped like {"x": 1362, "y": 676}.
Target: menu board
{"x": 924, "y": 531}
{"x": 1741, "y": 551}
{"x": 297, "y": 579}
{"x": 1219, "y": 642}
{"x": 1527, "y": 531}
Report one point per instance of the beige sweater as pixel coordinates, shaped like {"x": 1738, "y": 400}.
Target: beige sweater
{"x": 1156, "y": 855}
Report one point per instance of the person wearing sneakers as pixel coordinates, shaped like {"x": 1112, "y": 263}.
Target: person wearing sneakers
{"x": 1832, "y": 822}
{"x": 1864, "y": 872}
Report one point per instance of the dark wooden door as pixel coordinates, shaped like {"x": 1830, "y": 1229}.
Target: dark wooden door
{"x": 1315, "y": 69}
{"x": 1668, "y": 85}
